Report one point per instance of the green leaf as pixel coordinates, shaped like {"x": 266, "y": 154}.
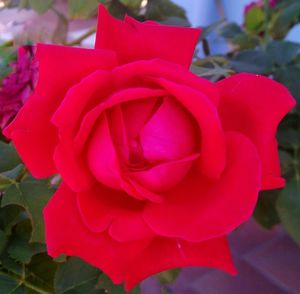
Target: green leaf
{"x": 41, "y": 6}
{"x": 33, "y": 195}
{"x": 162, "y": 9}
{"x": 253, "y": 61}
{"x": 8, "y": 157}
{"x": 289, "y": 76}
{"x": 230, "y": 30}
{"x": 288, "y": 207}
{"x": 131, "y": 3}
{"x": 3, "y": 241}
{"x": 22, "y": 251}
{"x": 289, "y": 138}
{"x": 74, "y": 273}
{"x": 82, "y": 8}
{"x": 265, "y": 212}
{"x": 169, "y": 276}
{"x": 10, "y": 216}
{"x": 8, "y": 284}
{"x": 283, "y": 52}
{"x": 283, "y": 21}
{"x": 11, "y": 265}
{"x": 106, "y": 284}
{"x": 10, "y": 177}
{"x": 211, "y": 73}
{"x": 7, "y": 56}
{"x": 245, "y": 41}
{"x": 254, "y": 19}
{"x": 42, "y": 269}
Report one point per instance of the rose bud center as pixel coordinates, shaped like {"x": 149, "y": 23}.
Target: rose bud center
{"x": 151, "y": 142}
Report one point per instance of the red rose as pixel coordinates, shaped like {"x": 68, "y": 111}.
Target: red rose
{"x": 158, "y": 164}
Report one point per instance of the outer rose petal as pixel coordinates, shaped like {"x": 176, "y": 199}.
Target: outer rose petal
{"x": 68, "y": 235}
{"x": 59, "y": 69}
{"x": 124, "y": 261}
{"x": 165, "y": 253}
{"x": 102, "y": 208}
{"x": 133, "y": 40}
{"x": 254, "y": 106}
{"x": 201, "y": 208}
{"x": 134, "y": 73}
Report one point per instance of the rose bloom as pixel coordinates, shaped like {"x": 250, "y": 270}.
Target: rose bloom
{"x": 158, "y": 165}
{"x": 18, "y": 85}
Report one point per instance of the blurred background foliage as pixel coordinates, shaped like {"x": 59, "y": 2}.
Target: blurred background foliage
{"x": 258, "y": 46}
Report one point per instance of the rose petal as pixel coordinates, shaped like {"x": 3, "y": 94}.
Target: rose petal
{"x": 164, "y": 253}
{"x": 134, "y": 74}
{"x": 212, "y": 148}
{"x": 68, "y": 235}
{"x": 129, "y": 261}
{"x": 121, "y": 96}
{"x": 73, "y": 169}
{"x": 254, "y": 105}
{"x": 132, "y": 40}
{"x": 170, "y": 134}
{"x": 164, "y": 176}
{"x": 202, "y": 208}
{"x": 81, "y": 98}
{"x": 102, "y": 208}
{"x": 104, "y": 164}
{"x": 59, "y": 68}
{"x": 101, "y": 155}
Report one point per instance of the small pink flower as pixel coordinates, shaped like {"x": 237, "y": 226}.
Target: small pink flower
{"x": 17, "y": 86}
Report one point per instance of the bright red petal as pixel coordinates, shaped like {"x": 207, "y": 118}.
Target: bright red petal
{"x": 212, "y": 142}
{"x": 124, "y": 261}
{"x": 164, "y": 253}
{"x": 132, "y": 40}
{"x": 254, "y": 105}
{"x": 102, "y": 208}
{"x": 134, "y": 74}
{"x": 59, "y": 69}
{"x": 202, "y": 208}
{"x": 67, "y": 234}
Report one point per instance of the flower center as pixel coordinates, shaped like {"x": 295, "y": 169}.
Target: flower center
{"x": 137, "y": 161}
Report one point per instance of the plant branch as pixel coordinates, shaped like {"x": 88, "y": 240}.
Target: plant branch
{"x": 79, "y": 40}
{"x": 22, "y": 281}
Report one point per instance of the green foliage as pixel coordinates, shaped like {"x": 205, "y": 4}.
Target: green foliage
{"x": 8, "y": 157}
{"x": 105, "y": 283}
{"x": 7, "y": 55}
{"x": 82, "y": 8}
{"x": 284, "y": 19}
{"x": 252, "y": 60}
{"x": 283, "y": 52}
{"x": 131, "y": 3}
{"x": 265, "y": 211}
{"x": 75, "y": 273}
{"x": 161, "y": 9}
{"x": 32, "y": 195}
{"x": 254, "y": 19}
{"x": 41, "y": 6}
{"x": 288, "y": 206}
